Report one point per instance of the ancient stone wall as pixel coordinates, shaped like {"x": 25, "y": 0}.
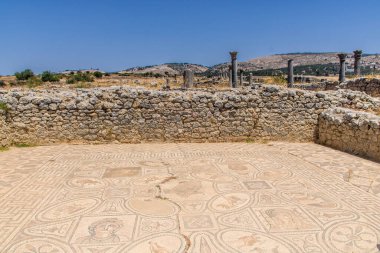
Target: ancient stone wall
{"x": 369, "y": 86}
{"x": 4, "y": 130}
{"x": 129, "y": 115}
{"x": 351, "y": 131}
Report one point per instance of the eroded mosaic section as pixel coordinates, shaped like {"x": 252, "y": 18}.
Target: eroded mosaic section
{"x": 161, "y": 198}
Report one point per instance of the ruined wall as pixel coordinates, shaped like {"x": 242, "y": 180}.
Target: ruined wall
{"x": 128, "y": 115}
{"x": 351, "y": 131}
{"x": 4, "y": 130}
{"x": 369, "y": 86}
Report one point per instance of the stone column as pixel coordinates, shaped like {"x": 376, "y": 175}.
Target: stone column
{"x": 358, "y": 57}
{"x": 241, "y": 77}
{"x": 290, "y": 73}
{"x": 230, "y": 75}
{"x": 250, "y": 79}
{"x": 234, "y": 69}
{"x": 188, "y": 79}
{"x": 342, "y": 70}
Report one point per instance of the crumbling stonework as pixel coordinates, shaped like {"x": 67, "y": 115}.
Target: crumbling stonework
{"x": 367, "y": 85}
{"x": 130, "y": 115}
{"x": 351, "y": 131}
{"x": 4, "y": 130}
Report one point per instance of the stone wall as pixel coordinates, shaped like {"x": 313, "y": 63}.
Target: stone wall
{"x": 129, "y": 115}
{"x": 351, "y": 131}
{"x": 4, "y": 130}
{"x": 369, "y": 86}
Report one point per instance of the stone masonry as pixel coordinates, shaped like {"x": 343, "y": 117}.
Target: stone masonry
{"x": 369, "y": 86}
{"x": 350, "y": 131}
{"x": 134, "y": 115}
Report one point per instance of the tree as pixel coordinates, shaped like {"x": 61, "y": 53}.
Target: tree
{"x": 98, "y": 74}
{"x": 48, "y": 76}
{"x": 24, "y": 75}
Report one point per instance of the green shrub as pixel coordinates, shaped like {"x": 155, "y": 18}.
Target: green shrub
{"x": 48, "y": 76}
{"x": 98, "y": 74}
{"x": 2, "y": 83}
{"x": 4, "y": 107}
{"x": 80, "y": 77}
{"x": 107, "y": 74}
{"x": 24, "y": 75}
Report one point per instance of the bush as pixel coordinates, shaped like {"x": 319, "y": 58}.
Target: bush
{"x": 24, "y": 75}
{"x": 33, "y": 82}
{"x": 98, "y": 74}
{"x": 2, "y": 83}
{"x": 80, "y": 77}
{"x": 107, "y": 74}
{"x": 48, "y": 76}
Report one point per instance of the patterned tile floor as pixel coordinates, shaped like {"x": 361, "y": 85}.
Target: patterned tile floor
{"x": 203, "y": 198}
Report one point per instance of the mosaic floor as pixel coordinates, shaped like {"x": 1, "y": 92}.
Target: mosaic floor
{"x": 200, "y": 198}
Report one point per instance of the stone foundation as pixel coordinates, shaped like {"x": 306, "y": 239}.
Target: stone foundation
{"x": 351, "y": 131}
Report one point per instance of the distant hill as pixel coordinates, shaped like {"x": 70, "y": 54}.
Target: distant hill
{"x": 308, "y": 63}
{"x": 170, "y": 68}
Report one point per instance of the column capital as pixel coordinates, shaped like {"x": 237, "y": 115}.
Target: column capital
{"x": 342, "y": 56}
{"x": 233, "y": 55}
{"x": 358, "y": 54}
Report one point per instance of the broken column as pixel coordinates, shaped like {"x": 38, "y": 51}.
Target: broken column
{"x": 250, "y": 79}
{"x": 188, "y": 79}
{"x": 234, "y": 69}
{"x": 290, "y": 73}
{"x": 342, "y": 70}
{"x": 230, "y": 75}
{"x": 357, "y": 57}
{"x": 241, "y": 77}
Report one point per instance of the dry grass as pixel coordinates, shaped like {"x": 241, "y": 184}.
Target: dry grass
{"x": 3, "y": 149}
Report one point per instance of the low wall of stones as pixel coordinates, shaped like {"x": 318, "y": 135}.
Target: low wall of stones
{"x": 4, "y": 130}
{"x": 351, "y": 131}
{"x": 131, "y": 115}
{"x": 367, "y": 85}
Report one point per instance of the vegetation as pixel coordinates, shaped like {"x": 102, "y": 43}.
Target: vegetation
{"x": 79, "y": 77}
{"x": 4, "y": 107}
{"x": 82, "y": 85}
{"x": 2, "y": 83}
{"x": 23, "y": 145}
{"x": 48, "y": 76}
{"x": 3, "y": 149}
{"x": 24, "y": 75}
{"x": 98, "y": 74}
{"x": 33, "y": 82}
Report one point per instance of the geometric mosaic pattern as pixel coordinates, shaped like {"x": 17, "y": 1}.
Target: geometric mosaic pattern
{"x": 200, "y": 198}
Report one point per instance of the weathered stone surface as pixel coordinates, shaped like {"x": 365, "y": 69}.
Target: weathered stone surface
{"x": 352, "y": 131}
{"x": 370, "y": 86}
{"x": 199, "y": 198}
{"x": 132, "y": 115}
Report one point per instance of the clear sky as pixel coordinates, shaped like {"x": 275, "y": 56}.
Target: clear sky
{"x": 116, "y": 34}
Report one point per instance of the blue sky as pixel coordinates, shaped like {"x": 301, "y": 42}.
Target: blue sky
{"x": 116, "y": 34}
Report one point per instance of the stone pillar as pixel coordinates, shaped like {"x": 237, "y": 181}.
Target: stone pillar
{"x": 230, "y": 75}
{"x": 290, "y": 73}
{"x": 342, "y": 70}
{"x": 358, "y": 57}
{"x": 234, "y": 69}
{"x": 250, "y": 79}
{"x": 241, "y": 78}
{"x": 188, "y": 79}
